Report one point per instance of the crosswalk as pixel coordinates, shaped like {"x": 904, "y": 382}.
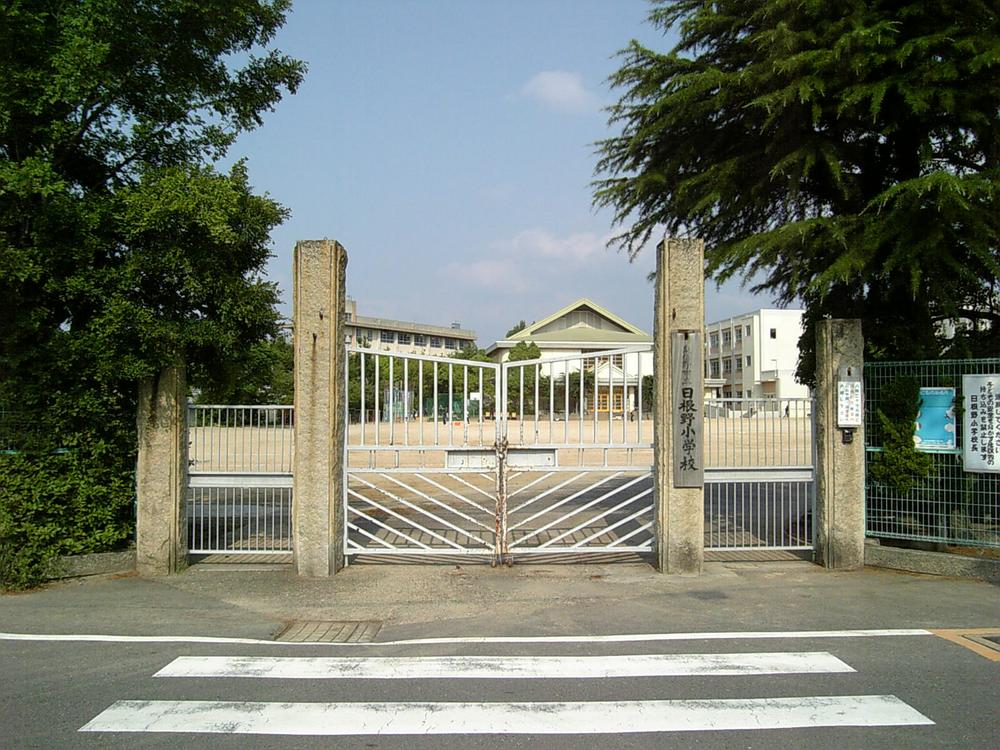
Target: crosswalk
{"x": 521, "y": 717}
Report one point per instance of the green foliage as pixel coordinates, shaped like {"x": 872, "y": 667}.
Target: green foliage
{"x": 59, "y": 504}
{"x": 262, "y": 374}
{"x": 524, "y": 350}
{"x": 518, "y": 326}
{"x": 120, "y": 250}
{"x": 899, "y": 463}
{"x": 472, "y": 353}
{"x": 844, "y": 155}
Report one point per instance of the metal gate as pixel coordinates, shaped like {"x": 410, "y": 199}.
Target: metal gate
{"x": 760, "y": 458}
{"x": 240, "y": 480}
{"x": 452, "y": 457}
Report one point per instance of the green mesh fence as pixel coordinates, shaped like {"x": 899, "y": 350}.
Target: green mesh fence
{"x": 949, "y": 505}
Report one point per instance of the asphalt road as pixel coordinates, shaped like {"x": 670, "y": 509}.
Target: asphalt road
{"x": 50, "y": 690}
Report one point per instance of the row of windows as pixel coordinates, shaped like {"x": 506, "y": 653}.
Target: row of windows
{"x": 407, "y": 339}
{"x": 727, "y": 365}
{"x": 738, "y": 333}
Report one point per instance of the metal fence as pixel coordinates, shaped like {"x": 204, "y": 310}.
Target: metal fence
{"x": 240, "y": 479}
{"x": 950, "y": 505}
{"x": 759, "y": 474}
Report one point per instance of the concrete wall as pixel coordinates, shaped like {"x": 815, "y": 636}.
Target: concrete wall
{"x": 320, "y": 268}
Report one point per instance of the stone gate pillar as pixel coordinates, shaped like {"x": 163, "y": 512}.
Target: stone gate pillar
{"x": 161, "y": 474}
{"x": 318, "y": 469}
{"x": 679, "y": 313}
{"x": 840, "y": 457}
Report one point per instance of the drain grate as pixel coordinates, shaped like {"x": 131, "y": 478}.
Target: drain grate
{"x": 329, "y": 631}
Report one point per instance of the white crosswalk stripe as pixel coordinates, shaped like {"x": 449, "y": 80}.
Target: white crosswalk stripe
{"x": 505, "y": 717}
{"x": 588, "y": 717}
{"x": 504, "y": 667}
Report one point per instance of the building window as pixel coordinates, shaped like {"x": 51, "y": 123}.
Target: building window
{"x": 450, "y": 344}
{"x": 747, "y": 331}
{"x": 436, "y": 342}
{"x": 727, "y": 366}
{"x": 419, "y": 339}
{"x": 618, "y": 360}
{"x": 748, "y": 360}
{"x": 403, "y": 338}
{"x": 714, "y": 365}
{"x": 387, "y": 337}
{"x": 714, "y": 339}
{"x": 749, "y": 394}
{"x": 739, "y": 364}
{"x": 726, "y": 338}
{"x": 738, "y": 333}
{"x": 774, "y": 333}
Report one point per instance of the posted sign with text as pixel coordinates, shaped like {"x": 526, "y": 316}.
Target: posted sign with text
{"x": 981, "y": 422}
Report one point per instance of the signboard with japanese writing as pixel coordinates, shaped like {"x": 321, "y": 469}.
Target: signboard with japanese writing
{"x": 981, "y": 422}
{"x": 935, "y": 428}
{"x": 848, "y": 403}
{"x": 687, "y": 405}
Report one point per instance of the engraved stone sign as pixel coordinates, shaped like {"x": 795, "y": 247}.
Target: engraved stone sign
{"x": 688, "y": 408}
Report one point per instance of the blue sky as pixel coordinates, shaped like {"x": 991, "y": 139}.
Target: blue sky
{"x": 448, "y": 145}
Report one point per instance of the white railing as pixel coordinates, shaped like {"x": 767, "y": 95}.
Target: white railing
{"x": 599, "y": 399}
{"x": 240, "y": 479}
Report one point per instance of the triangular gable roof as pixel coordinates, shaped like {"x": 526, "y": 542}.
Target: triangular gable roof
{"x": 530, "y": 332}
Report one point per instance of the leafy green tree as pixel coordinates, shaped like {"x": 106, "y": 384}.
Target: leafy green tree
{"x": 524, "y": 350}
{"x": 262, "y": 374}
{"x": 842, "y": 154}
{"x": 121, "y": 250}
{"x": 518, "y": 326}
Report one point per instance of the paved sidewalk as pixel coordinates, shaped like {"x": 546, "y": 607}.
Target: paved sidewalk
{"x": 413, "y": 601}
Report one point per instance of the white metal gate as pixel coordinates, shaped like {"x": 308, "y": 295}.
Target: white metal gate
{"x": 240, "y": 479}
{"x": 456, "y": 457}
{"x": 760, "y": 457}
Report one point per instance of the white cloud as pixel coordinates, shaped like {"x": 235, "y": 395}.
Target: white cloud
{"x": 530, "y": 260}
{"x": 561, "y": 91}
{"x": 576, "y": 248}
{"x": 498, "y": 274}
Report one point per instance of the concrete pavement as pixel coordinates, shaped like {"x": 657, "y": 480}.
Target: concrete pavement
{"x": 415, "y": 601}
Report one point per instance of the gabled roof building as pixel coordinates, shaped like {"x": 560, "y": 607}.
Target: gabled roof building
{"x": 580, "y": 327}
{"x": 583, "y": 327}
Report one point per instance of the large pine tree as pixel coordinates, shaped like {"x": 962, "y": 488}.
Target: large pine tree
{"x": 845, "y": 154}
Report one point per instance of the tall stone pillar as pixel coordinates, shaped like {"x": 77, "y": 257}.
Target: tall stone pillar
{"x": 840, "y": 452}
{"x": 680, "y": 309}
{"x": 161, "y": 474}
{"x": 318, "y": 470}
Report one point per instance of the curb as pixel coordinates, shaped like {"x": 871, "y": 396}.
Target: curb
{"x": 93, "y": 564}
{"x": 932, "y": 563}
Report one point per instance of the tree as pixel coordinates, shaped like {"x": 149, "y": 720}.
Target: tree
{"x": 518, "y": 326}
{"x": 262, "y": 374}
{"x": 844, "y": 154}
{"x": 523, "y": 350}
{"x": 121, "y": 250}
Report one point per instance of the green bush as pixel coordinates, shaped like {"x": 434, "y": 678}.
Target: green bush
{"x": 58, "y": 504}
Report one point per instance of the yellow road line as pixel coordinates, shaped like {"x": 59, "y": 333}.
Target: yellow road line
{"x": 967, "y": 638}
